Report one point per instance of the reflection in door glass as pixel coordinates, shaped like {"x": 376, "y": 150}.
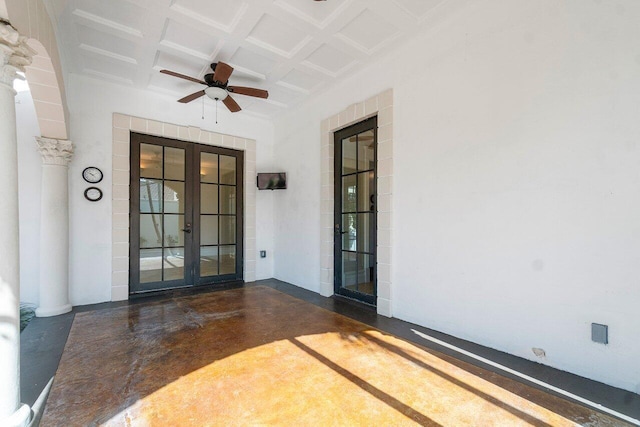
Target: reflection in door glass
{"x": 365, "y": 274}
{"x": 150, "y": 265}
{"x": 227, "y": 170}
{"x": 208, "y": 198}
{"x": 208, "y": 229}
{"x": 349, "y": 150}
{"x": 227, "y": 230}
{"x": 349, "y": 193}
{"x": 209, "y": 167}
{"x": 366, "y": 153}
{"x": 349, "y": 270}
{"x": 173, "y": 263}
{"x": 227, "y": 259}
{"x": 173, "y": 234}
{"x": 173, "y": 197}
{"x": 349, "y": 232}
{"x": 208, "y": 261}
{"x": 150, "y": 231}
{"x": 174, "y": 163}
{"x": 151, "y": 161}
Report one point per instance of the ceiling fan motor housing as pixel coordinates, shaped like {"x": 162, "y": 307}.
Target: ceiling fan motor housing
{"x": 212, "y": 83}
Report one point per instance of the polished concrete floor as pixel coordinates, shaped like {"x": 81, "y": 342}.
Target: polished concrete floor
{"x": 258, "y": 356}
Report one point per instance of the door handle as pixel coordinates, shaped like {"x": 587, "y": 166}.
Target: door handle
{"x": 188, "y": 228}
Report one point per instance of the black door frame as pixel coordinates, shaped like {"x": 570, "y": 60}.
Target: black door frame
{"x": 338, "y": 136}
{"x": 191, "y": 215}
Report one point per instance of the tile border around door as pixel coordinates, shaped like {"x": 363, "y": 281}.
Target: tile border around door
{"x": 382, "y": 106}
{"x": 122, "y": 127}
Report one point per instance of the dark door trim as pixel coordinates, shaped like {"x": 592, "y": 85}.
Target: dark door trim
{"x": 191, "y": 211}
{"x": 358, "y": 128}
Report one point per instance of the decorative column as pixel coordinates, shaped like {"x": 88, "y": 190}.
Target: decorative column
{"x": 54, "y": 227}
{"x": 14, "y": 56}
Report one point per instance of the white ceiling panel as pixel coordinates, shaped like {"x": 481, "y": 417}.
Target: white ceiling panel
{"x": 329, "y": 60}
{"x": 167, "y": 61}
{"x": 252, "y": 63}
{"x": 418, "y": 8}
{"x": 295, "y": 49}
{"x": 301, "y": 80}
{"x": 318, "y": 13}
{"x": 369, "y": 30}
{"x": 278, "y": 36}
{"x": 118, "y": 70}
{"x": 118, "y": 11}
{"x": 106, "y": 41}
{"x": 220, "y": 13}
{"x": 188, "y": 39}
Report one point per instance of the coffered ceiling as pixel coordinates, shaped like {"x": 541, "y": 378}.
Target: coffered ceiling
{"x": 292, "y": 48}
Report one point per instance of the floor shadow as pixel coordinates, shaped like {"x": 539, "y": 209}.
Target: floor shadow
{"x": 491, "y": 399}
{"x": 369, "y": 388}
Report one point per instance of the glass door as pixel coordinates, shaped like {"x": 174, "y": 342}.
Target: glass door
{"x": 186, "y": 214}
{"x": 355, "y": 211}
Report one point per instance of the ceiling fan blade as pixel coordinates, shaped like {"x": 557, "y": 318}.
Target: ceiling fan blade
{"x": 182, "y": 76}
{"x": 191, "y": 97}
{"x": 248, "y": 91}
{"x": 231, "y": 104}
{"x": 222, "y": 72}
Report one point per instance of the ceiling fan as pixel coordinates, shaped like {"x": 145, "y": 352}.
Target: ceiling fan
{"x": 218, "y": 86}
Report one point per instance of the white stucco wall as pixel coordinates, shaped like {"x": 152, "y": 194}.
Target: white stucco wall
{"x": 516, "y": 180}
{"x": 91, "y": 132}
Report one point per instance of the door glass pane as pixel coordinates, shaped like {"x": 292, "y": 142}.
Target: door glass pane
{"x": 227, "y": 200}
{"x": 208, "y": 198}
{"x": 349, "y": 231}
{"x": 365, "y": 232}
{"x": 150, "y": 195}
{"x": 174, "y": 163}
{"x": 227, "y": 259}
{"x": 365, "y": 192}
{"x": 227, "y": 170}
{"x": 174, "y": 197}
{"x": 208, "y": 167}
{"x": 150, "y": 161}
{"x": 150, "y": 231}
{"x": 227, "y": 230}
{"x": 365, "y": 274}
{"x": 173, "y": 263}
{"x": 208, "y": 261}
{"x": 349, "y": 150}
{"x": 173, "y": 234}
{"x": 150, "y": 265}
{"x": 349, "y": 268}
{"x": 366, "y": 158}
{"x": 349, "y": 193}
{"x": 208, "y": 229}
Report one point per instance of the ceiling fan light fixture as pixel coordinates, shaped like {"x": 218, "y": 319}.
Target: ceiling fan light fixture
{"x": 216, "y": 93}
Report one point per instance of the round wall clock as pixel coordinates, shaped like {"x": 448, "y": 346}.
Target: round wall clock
{"x": 93, "y": 194}
{"x": 92, "y": 175}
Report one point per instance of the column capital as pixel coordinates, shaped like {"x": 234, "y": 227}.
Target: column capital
{"x": 15, "y": 53}
{"x": 55, "y": 151}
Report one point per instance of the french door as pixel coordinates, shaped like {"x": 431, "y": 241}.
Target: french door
{"x": 186, "y": 214}
{"x": 355, "y": 211}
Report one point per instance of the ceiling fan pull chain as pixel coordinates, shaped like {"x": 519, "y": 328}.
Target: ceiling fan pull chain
{"x": 216, "y": 111}
{"x": 203, "y": 108}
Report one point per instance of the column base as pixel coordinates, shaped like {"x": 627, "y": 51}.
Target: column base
{"x": 53, "y": 311}
{"x": 20, "y": 418}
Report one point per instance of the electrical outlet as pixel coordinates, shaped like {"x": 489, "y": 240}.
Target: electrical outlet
{"x": 263, "y": 254}
{"x": 600, "y": 333}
